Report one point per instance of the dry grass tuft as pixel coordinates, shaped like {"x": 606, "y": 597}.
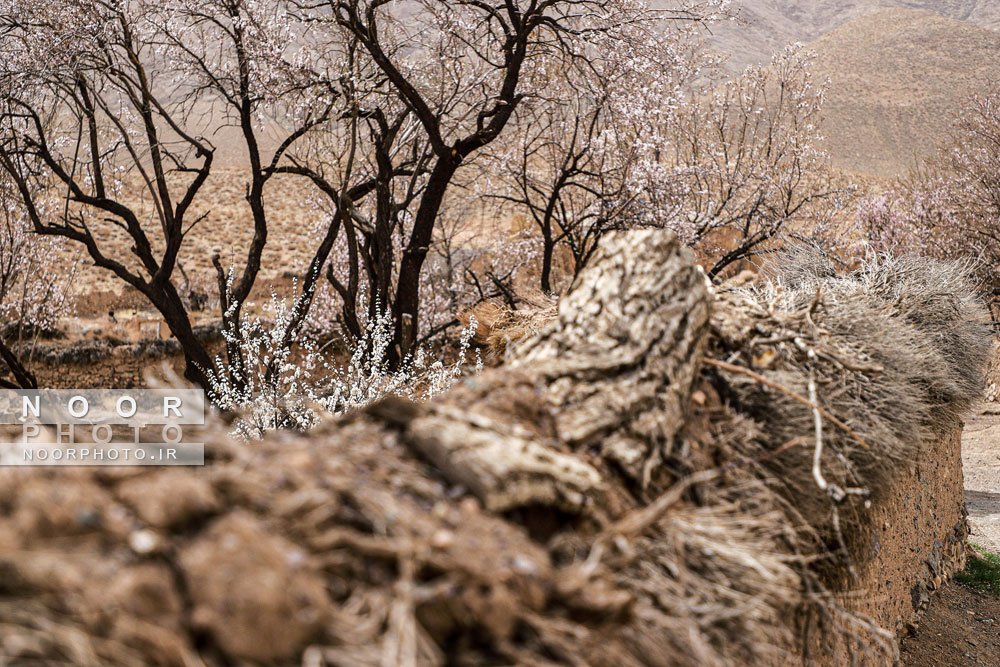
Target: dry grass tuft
{"x": 499, "y": 325}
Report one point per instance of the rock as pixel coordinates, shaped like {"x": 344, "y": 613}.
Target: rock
{"x": 159, "y": 646}
{"x": 23, "y": 647}
{"x": 169, "y": 499}
{"x": 55, "y": 508}
{"x": 252, "y": 590}
{"x": 144, "y": 542}
{"x": 146, "y": 591}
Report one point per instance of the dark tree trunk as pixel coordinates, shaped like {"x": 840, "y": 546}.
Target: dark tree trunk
{"x": 197, "y": 361}
{"x": 548, "y": 249}
{"x": 407, "y": 307}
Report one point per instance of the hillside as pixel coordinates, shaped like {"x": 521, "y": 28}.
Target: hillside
{"x": 897, "y": 77}
{"x": 765, "y": 26}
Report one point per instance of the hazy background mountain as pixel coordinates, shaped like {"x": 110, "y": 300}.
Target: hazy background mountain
{"x": 899, "y": 70}
{"x": 765, "y": 26}
{"x": 897, "y": 79}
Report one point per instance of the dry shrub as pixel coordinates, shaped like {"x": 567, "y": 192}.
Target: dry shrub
{"x": 895, "y": 349}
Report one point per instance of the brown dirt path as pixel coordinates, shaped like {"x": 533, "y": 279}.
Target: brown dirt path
{"x": 981, "y": 463}
{"x": 962, "y": 627}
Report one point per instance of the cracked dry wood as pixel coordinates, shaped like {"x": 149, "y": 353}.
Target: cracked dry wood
{"x": 613, "y": 372}
{"x": 503, "y": 465}
{"x": 621, "y": 357}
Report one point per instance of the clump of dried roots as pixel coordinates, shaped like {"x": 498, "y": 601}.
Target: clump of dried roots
{"x": 499, "y": 325}
{"x": 647, "y": 483}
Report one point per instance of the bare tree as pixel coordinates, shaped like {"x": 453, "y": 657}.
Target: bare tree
{"x": 586, "y": 157}
{"x": 437, "y": 82}
{"x": 950, "y": 206}
{"x": 94, "y": 92}
{"x": 637, "y": 138}
{"x": 34, "y": 287}
{"x": 378, "y": 104}
{"x": 754, "y": 167}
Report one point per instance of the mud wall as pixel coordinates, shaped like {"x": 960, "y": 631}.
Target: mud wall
{"x": 912, "y": 541}
{"x": 613, "y": 495}
{"x": 917, "y": 540}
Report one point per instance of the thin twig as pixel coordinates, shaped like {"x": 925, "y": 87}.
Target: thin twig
{"x": 733, "y": 368}
{"x": 818, "y": 451}
{"x": 637, "y": 521}
{"x": 812, "y": 309}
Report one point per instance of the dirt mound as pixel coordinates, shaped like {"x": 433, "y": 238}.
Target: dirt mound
{"x": 604, "y": 499}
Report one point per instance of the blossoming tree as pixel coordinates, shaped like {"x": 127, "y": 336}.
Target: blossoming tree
{"x": 950, "y": 206}
{"x": 379, "y": 104}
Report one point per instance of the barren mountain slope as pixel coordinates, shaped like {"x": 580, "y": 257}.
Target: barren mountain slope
{"x": 897, "y": 78}
{"x": 765, "y": 26}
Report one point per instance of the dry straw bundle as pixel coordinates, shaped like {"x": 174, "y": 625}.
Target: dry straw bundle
{"x": 894, "y": 349}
